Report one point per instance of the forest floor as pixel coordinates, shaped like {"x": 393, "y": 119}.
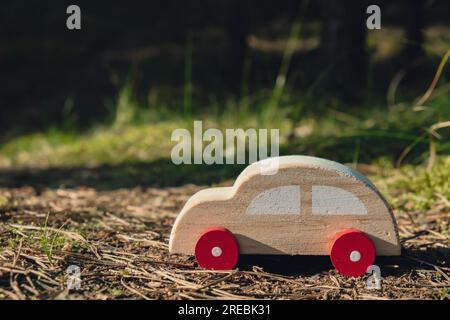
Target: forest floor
{"x": 105, "y": 201}
{"x": 119, "y": 239}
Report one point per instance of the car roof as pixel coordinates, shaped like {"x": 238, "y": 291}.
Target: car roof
{"x": 304, "y": 162}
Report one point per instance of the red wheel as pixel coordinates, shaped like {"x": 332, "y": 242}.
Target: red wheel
{"x": 217, "y": 249}
{"x": 352, "y": 252}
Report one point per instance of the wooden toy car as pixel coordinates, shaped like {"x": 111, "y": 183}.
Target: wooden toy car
{"x": 311, "y": 206}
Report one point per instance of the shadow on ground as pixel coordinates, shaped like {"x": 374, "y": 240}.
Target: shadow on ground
{"x": 286, "y": 265}
{"x": 410, "y": 260}
{"x": 158, "y": 173}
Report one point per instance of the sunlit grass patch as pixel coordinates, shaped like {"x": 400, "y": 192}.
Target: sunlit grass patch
{"x": 414, "y": 187}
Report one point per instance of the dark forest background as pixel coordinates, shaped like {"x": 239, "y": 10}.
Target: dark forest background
{"x": 225, "y": 48}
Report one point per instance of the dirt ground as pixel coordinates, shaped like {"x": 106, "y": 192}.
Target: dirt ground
{"x": 119, "y": 240}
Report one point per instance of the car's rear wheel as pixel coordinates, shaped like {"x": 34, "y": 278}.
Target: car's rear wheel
{"x": 352, "y": 253}
{"x": 217, "y": 249}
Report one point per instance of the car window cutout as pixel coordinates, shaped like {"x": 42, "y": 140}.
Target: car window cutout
{"x": 279, "y": 200}
{"x": 328, "y": 200}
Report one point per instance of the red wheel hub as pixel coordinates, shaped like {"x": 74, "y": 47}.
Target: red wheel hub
{"x": 352, "y": 252}
{"x": 217, "y": 249}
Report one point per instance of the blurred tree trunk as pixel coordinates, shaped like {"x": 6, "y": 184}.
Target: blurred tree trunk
{"x": 414, "y": 13}
{"x": 237, "y": 31}
{"x": 343, "y": 43}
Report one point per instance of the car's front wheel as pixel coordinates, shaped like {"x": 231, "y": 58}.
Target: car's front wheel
{"x": 352, "y": 253}
{"x": 217, "y": 249}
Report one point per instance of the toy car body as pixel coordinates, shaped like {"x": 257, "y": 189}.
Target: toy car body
{"x": 311, "y": 206}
